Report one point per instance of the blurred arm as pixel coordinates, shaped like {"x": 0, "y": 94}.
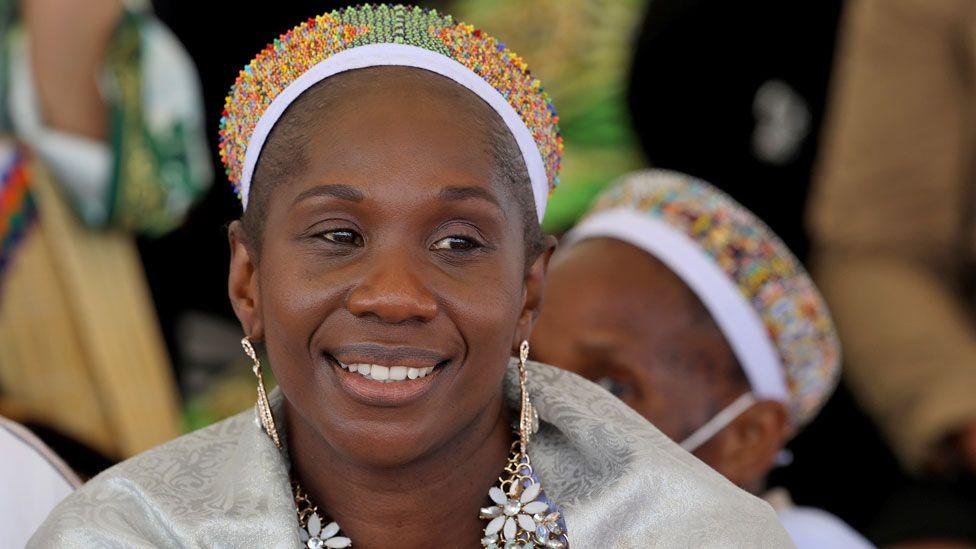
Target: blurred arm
{"x": 67, "y": 49}
{"x": 891, "y": 215}
{"x": 109, "y": 99}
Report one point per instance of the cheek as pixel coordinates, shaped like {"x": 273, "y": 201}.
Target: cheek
{"x": 559, "y": 331}
{"x": 676, "y": 404}
{"x": 483, "y": 305}
{"x": 296, "y": 296}
{"x": 555, "y": 348}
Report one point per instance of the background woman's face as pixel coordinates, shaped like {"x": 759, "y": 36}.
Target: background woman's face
{"x": 621, "y": 318}
{"x": 394, "y": 247}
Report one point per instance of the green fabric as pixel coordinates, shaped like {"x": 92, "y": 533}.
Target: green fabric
{"x": 581, "y": 49}
{"x": 155, "y": 171}
{"x": 149, "y": 167}
{"x": 6, "y": 22}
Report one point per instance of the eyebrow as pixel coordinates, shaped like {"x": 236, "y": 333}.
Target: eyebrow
{"x": 464, "y": 193}
{"x": 342, "y": 192}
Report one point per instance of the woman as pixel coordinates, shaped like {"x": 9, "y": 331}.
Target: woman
{"x": 394, "y": 166}
{"x": 713, "y": 331}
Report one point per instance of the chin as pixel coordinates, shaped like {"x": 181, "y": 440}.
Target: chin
{"x": 384, "y": 444}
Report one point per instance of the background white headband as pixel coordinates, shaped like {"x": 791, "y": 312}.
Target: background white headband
{"x": 401, "y": 55}
{"x": 735, "y": 316}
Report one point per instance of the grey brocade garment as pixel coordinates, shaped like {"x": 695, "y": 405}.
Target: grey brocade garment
{"x": 619, "y": 481}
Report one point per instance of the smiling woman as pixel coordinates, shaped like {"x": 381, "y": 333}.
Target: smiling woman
{"x": 394, "y": 166}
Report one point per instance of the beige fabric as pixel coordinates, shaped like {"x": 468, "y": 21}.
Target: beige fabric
{"x": 892, "y": 215}
{"x": 620, "y": 482}
{"x": 80, "y": 347}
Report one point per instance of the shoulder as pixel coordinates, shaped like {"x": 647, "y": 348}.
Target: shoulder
{"x": 153, "y": 495}
{"x": 810, "y": 528}
{"x": 32, "y": 482}
{"x": 622, "y": 483}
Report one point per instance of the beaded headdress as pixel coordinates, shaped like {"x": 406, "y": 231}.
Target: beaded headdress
{"x": 388, "y": 35}
{"x": 754, "y": 288}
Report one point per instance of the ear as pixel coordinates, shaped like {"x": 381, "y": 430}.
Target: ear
{"x": 242, "y": 283}
{"x": 745, "y": 451}
{"x": 534, "y": 286}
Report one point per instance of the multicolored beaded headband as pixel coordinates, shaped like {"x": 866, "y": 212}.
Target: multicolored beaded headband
{"x": 370, "y": 36}
{"x": 755, "y": 289}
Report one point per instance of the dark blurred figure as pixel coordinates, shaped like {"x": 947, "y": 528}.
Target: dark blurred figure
{"x": 735, "y": 93}
{"x": 893, "y": 214}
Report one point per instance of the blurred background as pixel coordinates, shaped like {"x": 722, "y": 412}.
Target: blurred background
{"x": 846, "y": 125}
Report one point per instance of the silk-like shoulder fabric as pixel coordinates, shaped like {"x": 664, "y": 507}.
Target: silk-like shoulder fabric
{"x": 620, "y": 482}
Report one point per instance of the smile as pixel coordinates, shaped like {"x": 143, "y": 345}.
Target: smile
{"x": 386, "y": 374}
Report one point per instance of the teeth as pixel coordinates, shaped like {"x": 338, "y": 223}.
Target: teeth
{"x": 386, "y": 374}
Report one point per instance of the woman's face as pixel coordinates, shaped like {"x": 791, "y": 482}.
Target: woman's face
{"x": 394, "y": 249}
{"x": 621, "y": 318}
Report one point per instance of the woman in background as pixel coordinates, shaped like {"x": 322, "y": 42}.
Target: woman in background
{"x": 696, "y": 315}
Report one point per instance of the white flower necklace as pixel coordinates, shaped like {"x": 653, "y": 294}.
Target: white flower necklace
{"x": 522, "y": 517}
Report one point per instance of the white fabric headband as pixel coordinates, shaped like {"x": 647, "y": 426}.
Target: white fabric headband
{"x": 738, "y": 320}
{"x": 401, "y": 55}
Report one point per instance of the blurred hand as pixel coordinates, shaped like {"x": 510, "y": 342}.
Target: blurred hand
{"x": 956, "y": 454}
{"x": 966, "y": 445}
{"x": 67, "y": 45}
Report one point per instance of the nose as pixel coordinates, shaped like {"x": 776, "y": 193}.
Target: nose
{"x": 392, "y": 293}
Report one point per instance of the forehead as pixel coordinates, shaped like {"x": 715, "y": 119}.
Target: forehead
{"x": 393, "y": 126}
{"x": 402, "y": 111}
{"x": 609, "y": 299}
{"x": 613, "y": 283}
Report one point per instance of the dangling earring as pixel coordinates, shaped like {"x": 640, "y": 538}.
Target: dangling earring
{"x": 264, "y": 407}
{"x": 528, "y": 418}
{"x": 521, "y": 516}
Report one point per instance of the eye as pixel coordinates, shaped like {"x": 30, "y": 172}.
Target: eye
{"x": 344, "y": 237}
{"x": 459, "y": 243}
{"x": 616, "y": 387}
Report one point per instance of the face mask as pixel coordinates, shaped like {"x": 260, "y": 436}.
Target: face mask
{"x": 720, "y": 421}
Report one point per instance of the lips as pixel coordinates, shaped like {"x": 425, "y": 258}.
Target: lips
{"x": 387, "y": 374}
{"x": 379, "y": 375}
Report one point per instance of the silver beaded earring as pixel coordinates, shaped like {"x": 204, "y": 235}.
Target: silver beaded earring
{"x": 264, "y": 407}
{"x": 521, "y": 518}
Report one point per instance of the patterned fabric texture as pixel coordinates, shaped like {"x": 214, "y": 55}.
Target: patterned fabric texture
{"x": 300, "y": 49}
{"x": 770, "y": 277}
{"x": 620, "y": 482}
{"x": 17, "y": 208}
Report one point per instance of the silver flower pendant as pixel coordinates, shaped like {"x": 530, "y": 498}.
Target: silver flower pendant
{"x": 314, "y": 536}
{"x": 521, "y": 518}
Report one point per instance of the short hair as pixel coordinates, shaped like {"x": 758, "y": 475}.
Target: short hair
{"x": 283, "y": 154}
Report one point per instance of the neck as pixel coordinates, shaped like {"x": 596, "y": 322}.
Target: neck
{"x": 757, "y": 487}
{"x": 433, "y": 500}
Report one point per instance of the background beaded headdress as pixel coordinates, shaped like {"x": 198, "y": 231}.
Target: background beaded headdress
{"x": 397, "y": 35}
{"x": 773, "y": 282}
